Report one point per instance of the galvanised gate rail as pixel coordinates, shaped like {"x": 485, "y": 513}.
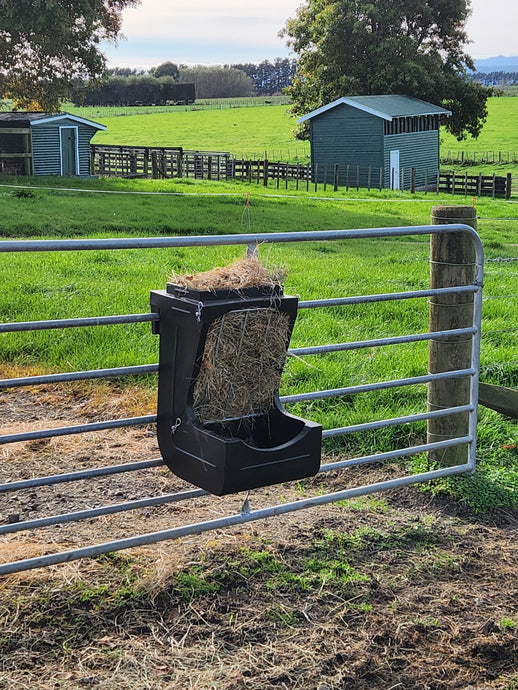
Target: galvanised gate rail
{"x": 245, "y": 515}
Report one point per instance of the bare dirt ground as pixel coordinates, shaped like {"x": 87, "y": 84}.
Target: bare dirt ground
{"x": 397, "y": 590}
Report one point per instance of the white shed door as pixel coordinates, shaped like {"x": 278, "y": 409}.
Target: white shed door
{"x": 394, "y": 169}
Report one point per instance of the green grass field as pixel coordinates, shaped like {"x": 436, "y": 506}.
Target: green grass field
{"x": 247, "y": 132}
{"x": 499, "y": 133}
{"x": 38, "y": 286}
{"x": 253, "y": 131}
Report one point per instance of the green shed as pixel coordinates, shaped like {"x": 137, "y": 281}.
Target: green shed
{"x": 376, "y": 140}
{"x": 45, "y": 144}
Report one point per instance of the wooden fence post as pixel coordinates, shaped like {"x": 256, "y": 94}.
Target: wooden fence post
{"x": 92, "y": 160}
{"x": 162, "y": 165}
{"x": 154, "y": 165}
{"x": 452, "y": 263}
{"x": 335, "y": 179}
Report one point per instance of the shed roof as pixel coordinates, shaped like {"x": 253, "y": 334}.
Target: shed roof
{"x": 18, "y": 119}
{"x": 386, "y": 107}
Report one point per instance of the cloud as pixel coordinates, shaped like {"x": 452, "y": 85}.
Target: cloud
{"x": 203, "y": 19}
{"x": 492, "y": 28}
{"x": 202, "y": 31}
{"x": 227, "y": 31}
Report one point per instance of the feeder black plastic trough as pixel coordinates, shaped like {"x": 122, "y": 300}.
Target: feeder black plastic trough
{"x": 229, "y": 453}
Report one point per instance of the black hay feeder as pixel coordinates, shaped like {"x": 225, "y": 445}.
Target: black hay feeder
{"x": 220, "y": 423}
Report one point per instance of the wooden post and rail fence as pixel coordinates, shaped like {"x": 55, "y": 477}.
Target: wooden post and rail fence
{"x": 176, "y": 162}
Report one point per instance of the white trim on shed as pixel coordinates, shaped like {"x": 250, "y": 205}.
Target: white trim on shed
{"x": 358, "y": 102}
{"x": 67, "y": 116}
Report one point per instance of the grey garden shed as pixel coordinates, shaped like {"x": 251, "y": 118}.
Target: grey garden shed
{"x": 376, "y": 141}
{"x": 45, "y": 144}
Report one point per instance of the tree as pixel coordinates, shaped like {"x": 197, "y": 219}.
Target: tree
{"x": 47, "y": 44}
{"x": 215, "y": 81}
{"x": 369, "y": 47}
{"x": 270, "y": 77}
{"x": 166, "y": 69}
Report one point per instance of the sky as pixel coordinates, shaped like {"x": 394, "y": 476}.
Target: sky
{"x": 232, "y": 31}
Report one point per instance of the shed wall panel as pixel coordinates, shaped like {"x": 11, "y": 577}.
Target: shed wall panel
{"x": 419, "y": 150}
{"x": 45, "y": 149}
{"x": 348, "y": 137}
{"x": 85, "y": 135}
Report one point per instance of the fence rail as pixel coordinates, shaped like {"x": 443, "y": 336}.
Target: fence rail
{"x": 496, "y": 186}
{"x": 467, "y": 440}
{"x": 160, "y": 162}
{"x": 176, "y": 162}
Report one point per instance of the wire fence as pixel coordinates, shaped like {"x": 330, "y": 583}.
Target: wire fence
{"x": 479, "y": 157}
{"x": 103, "y": 112}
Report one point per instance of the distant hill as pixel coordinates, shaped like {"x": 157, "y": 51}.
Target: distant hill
{"x": 497, "y": 64}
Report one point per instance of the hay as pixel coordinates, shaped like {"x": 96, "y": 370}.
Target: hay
{"x": 247, "y": 272}
{"x": 245, "y": 349}
{"x": 242, "y": 364}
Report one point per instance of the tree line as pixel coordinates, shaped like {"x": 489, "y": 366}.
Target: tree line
{"x": 140, "y": 89}
{"x": 499, "y": 78}
{"x": 270, "y": 77}
{"x": 171, "y": 83}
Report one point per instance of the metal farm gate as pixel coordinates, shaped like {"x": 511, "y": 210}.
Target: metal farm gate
{"x": 246, "y": 514}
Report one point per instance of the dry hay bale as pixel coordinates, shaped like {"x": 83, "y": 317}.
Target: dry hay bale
{"x": 247, "y": 272}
